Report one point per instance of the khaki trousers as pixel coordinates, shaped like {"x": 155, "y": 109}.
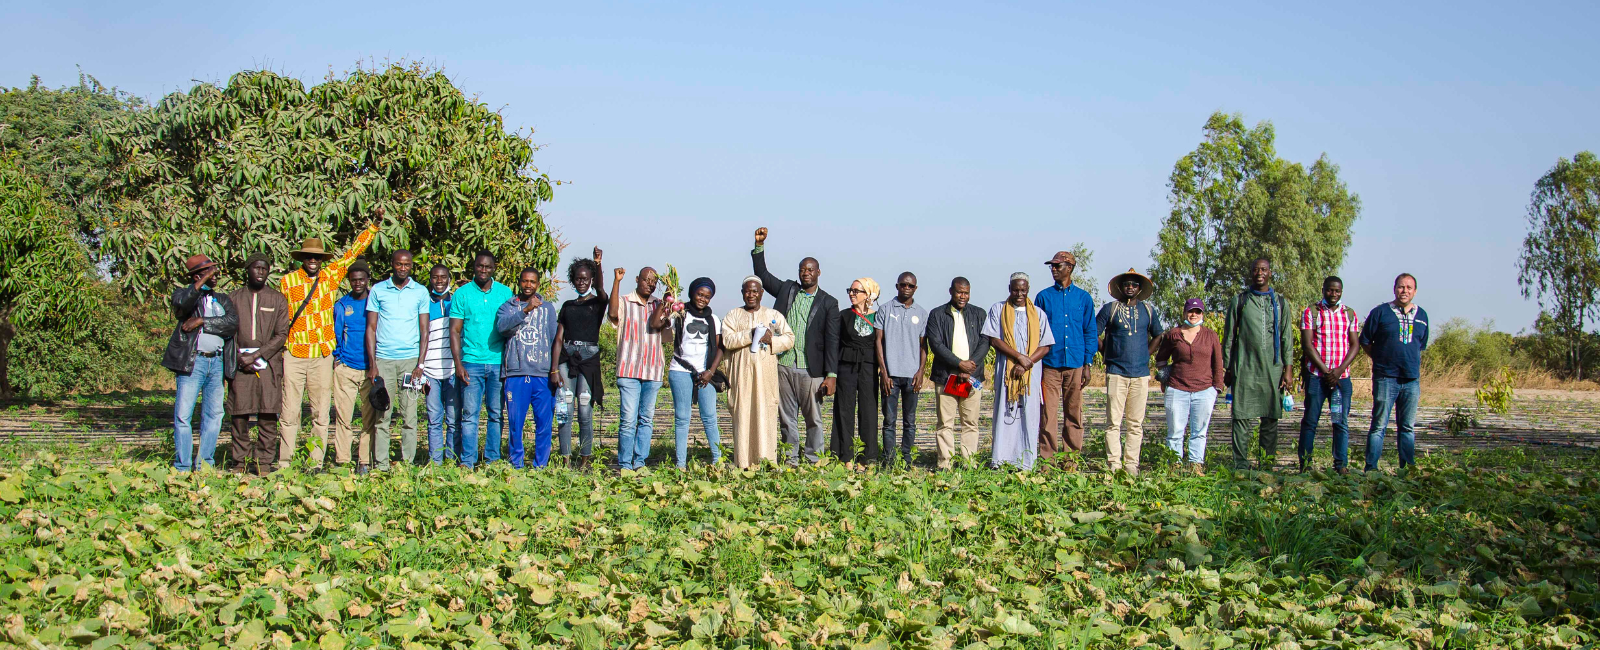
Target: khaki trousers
{"x": 956, "y": 414}
{"x": 1061, "y": 384}
{"x": 392, "y": 372}
{"x": 302, "y": 377}
{"x": 1125, "y": 400}
{"x": 349, "y": 385}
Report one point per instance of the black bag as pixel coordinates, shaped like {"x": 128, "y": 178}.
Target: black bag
{"x": 378, "y": 395}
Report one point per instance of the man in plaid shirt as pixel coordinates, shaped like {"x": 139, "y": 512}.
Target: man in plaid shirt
{"x": 1329, "y": 332}
{"x": 308, "y": 366}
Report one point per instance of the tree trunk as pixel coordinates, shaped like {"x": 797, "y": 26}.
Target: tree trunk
{"x": 6, "y": 334}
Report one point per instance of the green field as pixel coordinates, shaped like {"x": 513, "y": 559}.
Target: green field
{"x": 1492, "y": 550}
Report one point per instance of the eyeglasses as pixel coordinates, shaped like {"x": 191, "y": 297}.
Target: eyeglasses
{"x": 905, "y": 285}
{"x": 1058, "y": 265}
{"x": 855, "y": 291}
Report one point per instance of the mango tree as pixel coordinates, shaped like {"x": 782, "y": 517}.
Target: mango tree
{"x": 263, "y": 162}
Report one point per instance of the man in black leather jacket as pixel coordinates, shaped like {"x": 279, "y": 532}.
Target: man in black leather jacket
{"x": 202, "y": 353}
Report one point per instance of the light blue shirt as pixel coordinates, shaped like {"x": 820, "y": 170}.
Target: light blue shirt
{"x": 397, "y": 309}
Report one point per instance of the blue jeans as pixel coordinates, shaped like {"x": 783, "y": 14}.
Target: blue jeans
{"x": 526, "y": 393}
{"x": 900, "y": 395}
{"x": 444, "y": 408}
{"x": 684, "y": 398}
{"x": 1189, "y": 413}
{"x": 1338, "y": 410}
{"x": 1391, "y": 395}
{"x": 482, "y": 389}
{"x": 638, "y": 410}
{"x": 205, "y": 382}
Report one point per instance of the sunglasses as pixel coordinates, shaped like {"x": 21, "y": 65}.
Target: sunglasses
{"x": 905, "y": 285}
{"x": 1058, "y": 265}
{"x": 855, "y": 291}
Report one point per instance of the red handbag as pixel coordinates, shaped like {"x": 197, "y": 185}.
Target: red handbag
{"x": 955, "y": 386}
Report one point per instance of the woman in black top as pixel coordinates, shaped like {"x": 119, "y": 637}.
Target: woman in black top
{"x": 855, "y": 406}
{"x": 578, "y": 329}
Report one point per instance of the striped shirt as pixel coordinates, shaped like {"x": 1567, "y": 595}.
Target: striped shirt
{"x": 799, "y": 318}
{"x": 311, "y": 335}
{"x": 1330, "y": 331}
{"x": 440, "y": 362}
{"x": 638, "y": 349}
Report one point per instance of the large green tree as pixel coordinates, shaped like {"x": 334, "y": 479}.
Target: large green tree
{"x": 44, "y": 269}
{"x": 1234, "y": 200}
{"x": 1560, "y": 263}
{"x": 51, "y": 132}
{"x": 263, "y": 162}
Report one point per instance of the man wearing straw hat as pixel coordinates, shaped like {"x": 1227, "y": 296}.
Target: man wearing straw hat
{"x": 308, "y": 368}
{"x": 201, "y": 353}
{"x": 1129, "y": 331}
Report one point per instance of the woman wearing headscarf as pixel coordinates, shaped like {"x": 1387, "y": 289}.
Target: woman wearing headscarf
{"x": 753, "y": 337}
{"x": 855, "y": 406}
{"x": 697, "y": 351}
{"x": 1021, "y": 336}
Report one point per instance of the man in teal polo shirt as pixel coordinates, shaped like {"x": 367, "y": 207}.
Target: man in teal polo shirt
{"x": 397, "y": 325}
{"x": 477, "y": 349}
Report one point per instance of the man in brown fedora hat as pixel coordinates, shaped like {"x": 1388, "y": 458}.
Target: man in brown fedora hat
{"x": 1129, "y": 331}
{"x": 1070, "y": 311}
{"x": 201, "y": 352}
{"x": 308, "y": 367}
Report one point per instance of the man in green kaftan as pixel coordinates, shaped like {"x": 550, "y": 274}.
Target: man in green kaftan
{"x": 1256, "y": 348}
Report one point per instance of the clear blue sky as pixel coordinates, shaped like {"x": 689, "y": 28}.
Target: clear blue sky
{"x": 959, "y": 138}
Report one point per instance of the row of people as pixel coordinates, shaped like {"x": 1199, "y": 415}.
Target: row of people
{"x": 458, "y": 349}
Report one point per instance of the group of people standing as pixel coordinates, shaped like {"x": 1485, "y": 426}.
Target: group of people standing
{"x": 257, "y": 352}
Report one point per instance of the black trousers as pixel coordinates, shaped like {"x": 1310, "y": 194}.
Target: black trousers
{"x": 855, "y": 411}
{"x": 263, "y": 450}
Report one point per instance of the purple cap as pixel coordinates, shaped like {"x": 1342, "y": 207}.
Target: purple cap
{"x": 1193, "y": 304}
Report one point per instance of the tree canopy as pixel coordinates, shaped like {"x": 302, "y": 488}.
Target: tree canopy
{"x": 1560, "y": 262}
{"x": 52, "y": 134}
{"x": 263, "y": 162}
{"x": 1234, "y": 200}
{"x": 44, "y": 269}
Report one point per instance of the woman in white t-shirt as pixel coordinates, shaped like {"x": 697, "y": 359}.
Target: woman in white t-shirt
{"x": 697, "y": 351}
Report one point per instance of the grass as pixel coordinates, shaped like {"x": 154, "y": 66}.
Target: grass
{"x": 1487, "y": 550}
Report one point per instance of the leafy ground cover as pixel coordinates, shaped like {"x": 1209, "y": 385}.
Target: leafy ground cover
{"x": 1460, "y": 553}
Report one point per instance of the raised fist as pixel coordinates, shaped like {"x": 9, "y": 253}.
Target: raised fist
{"x": 597, "y": 254}
{"x": 761, "y": 235}
{"x": 621, "y": 273}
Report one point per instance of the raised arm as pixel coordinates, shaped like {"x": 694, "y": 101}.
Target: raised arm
{"x": 614, "y": 314}
{"x": 333, "y": 272}
{"x": 758, "y": 260}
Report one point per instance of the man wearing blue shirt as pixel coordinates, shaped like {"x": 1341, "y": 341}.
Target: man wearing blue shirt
{"x": 397, "y": 326}
{"x": 1394, "y": 337}
{"x": 1070, "y": 310}
{"x": 350, "y": 372}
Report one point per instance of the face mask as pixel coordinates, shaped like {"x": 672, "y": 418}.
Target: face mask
{"x": 1187, "y": 324}
{"x": 1332, "y": 305}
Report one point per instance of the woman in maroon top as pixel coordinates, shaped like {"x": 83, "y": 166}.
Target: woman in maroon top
{"x": 1192, "y": 380}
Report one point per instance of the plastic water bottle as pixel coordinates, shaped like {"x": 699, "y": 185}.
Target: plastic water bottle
{"x": 1288, "y": 402}
{"x": 1229, "y": 398}
{"x": 563, "y": 414}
